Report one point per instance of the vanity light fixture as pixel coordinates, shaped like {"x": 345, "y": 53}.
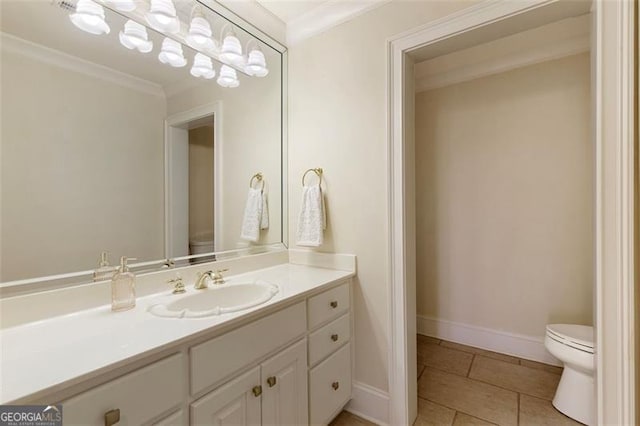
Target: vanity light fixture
{"x": 199, "y": 36}
{"x": 171, "y": 53}
{"x": 202, "y": 67}
{"x": 228, "y": 77}
{"x": 89, "y": 17}
{"x": 231, "y": 50}
{"x": 256, "y": 62}
{"x": 135, "y": 37}
{"x": 162, "y": 16}
{"x": 123, "y": 5}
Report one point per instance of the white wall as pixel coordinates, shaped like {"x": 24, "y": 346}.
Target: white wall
{"x": 337, "y": 113}
{"x": 504, "y": 194}
{"x": 250, "y": 143}
{"x": 201, "y": 181}
{"x": 82, "y": 170}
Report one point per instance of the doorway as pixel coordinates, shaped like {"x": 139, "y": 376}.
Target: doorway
{"x": 613, "y": 122}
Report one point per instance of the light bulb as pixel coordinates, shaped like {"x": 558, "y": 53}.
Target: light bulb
{"x": 256, "y": 63}
{"x": 89, "y": 17}
{"x": 202, "y": 67}
{"x": 231, "y": 51}
{"x": 135, "y": 37}
{"x": 162, "y": 16}
{"x": 199, "y": 36}
{"x": 228, "y": 77}
{"x": 123, "y": 5}
{"x": 171, "y": 53}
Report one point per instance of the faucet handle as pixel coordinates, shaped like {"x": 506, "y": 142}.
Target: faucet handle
{"x": 217, "y": 276}
{"x": 178, "y": 285}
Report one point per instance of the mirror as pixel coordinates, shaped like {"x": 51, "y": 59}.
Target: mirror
{"x": 104, "y": 148}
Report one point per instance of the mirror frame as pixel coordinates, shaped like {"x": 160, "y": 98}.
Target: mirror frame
{"x": 51, "y": 282}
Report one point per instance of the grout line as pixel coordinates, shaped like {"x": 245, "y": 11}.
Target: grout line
{"x": 453, "y": 422}
{"x": 471, "y": 365}
{"x": 518, "y": 412}
{"x": 456, "y": 410}
{"x": 424, "y": 367}
{"x": 511, "y": 390}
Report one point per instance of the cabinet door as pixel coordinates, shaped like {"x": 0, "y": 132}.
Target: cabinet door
{"x": 234, "y": 403}
{"x": 284, "y": 380}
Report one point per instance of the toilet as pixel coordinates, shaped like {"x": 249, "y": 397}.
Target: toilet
{"x": 573, "y": 346}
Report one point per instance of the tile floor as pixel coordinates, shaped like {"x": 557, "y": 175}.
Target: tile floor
{"x": 461, "y": 385}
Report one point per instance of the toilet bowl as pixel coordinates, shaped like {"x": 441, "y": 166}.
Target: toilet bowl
{"x": 573, "y": 346}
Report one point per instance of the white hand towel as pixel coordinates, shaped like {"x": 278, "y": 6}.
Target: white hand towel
{"x": 264, "y": 219}
{"x": 313, "y": 220}
{"x": 252, "y": 216}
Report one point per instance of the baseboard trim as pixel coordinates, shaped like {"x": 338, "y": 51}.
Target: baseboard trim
{"x": 370, "y": 403}
{"x": 522, "y": 346}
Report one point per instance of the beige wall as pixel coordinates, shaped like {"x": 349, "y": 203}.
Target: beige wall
{"x": 250, "y": 143}
{"x": 504, "y": 198}
{"x": 337, "y": 113}
{"x": 200, "y": 181}
{"x": 82, "y": 170}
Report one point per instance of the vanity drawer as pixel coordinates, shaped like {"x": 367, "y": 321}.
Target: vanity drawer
{"x": 140, "y": 396}
{"x": 218, "y": 358}
{"x": 330, "y": 386}
{"x": 328, "y": 305}
{"x": 327, "y": 339}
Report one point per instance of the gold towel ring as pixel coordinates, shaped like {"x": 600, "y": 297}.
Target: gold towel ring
{"x": 317, "y": 171}
{"x": 259, "y": 178}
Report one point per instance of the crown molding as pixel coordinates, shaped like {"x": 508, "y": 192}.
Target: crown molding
{"x": 13, "y": 44}
{"x": 327, "y": 15}
{"x": 548, "y": 52}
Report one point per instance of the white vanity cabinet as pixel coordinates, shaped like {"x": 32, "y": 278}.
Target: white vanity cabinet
{"x": 291, "y": 366}
{"x": 274, "y": 393}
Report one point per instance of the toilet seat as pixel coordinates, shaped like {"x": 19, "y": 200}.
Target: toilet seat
{"x": 575, "y": 336}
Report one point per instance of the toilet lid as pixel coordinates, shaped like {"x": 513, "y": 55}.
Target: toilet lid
{"x": 575, "y": 336}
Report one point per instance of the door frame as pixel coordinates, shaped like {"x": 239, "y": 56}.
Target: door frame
{"x": 179, "y": 120}
{"x": 613, "y": 137}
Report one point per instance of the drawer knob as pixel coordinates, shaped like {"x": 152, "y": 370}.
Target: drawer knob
{"x": 335, "y": 385}
{"x": 257, "y": 390}
{"x": 334, "y": 337}
{"x": 112, "y": 417}
{"x": 334, "y": 304}
{"x": 271, "y": 381}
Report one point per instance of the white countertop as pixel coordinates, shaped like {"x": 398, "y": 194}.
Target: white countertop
{"x": 43, "y": 356}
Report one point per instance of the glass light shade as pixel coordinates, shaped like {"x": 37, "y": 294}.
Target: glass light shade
{"x": 162, "y": 16}
{"x": 123, "y": 5}
{"x": 228, "y": 77}
{"x": 256, "y": 64}
{"x": 199, "y": 35}
{"x": 171, "y": 53}
{"x": 231, "y": 51}
{"x": 89, "y": 17}
{"x": 202, "y": 67}
{"x": 135, "y": 37}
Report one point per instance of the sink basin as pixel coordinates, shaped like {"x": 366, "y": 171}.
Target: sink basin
{"x": 217, "y": 300}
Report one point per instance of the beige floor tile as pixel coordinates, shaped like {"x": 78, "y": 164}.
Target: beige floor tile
{"x": 478, "y": 351}
{"x": 445, "y": 359}
{"x": 347, "y": 419}
{"x": 517, "y": 378}
{"x": 539, "y": 412}
{"x": 428, "y": 339}
{"x": 467, "y": 420}
{"x": 541, "y": 366}
{"x": 478, "y": 399}
{"x": 432, "y": 414}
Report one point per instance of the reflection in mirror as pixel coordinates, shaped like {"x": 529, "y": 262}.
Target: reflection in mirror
{"x": 125, "y": 142}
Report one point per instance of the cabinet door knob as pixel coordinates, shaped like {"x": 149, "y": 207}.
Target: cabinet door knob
{"x": 257, "y": 390}
{"x": 271, "y": 381}
{"x": 112, "y": 417}
{"x": 334, "y": 304}
{"x": 334, "y": 337}
{"x": 335, "y": 385}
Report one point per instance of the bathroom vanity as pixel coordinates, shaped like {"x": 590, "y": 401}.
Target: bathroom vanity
{"x": 287, "y": 361}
